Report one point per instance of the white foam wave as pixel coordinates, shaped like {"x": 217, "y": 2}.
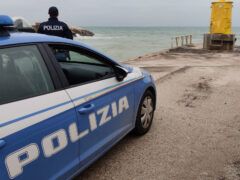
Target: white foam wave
{"x": 96, "y": 37}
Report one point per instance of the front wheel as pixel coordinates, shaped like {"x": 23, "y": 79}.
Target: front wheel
{"x": 145, "y": 114}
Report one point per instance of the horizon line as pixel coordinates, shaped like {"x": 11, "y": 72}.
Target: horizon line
{"x": 149, "y": 26}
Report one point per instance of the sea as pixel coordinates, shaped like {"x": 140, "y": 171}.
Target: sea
{"x": 122, "y": 43}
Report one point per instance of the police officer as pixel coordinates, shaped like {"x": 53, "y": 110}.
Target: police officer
{"x": 55, "y": 27}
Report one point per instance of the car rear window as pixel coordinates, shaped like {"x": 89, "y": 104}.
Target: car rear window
{"x": 23, "y": 74}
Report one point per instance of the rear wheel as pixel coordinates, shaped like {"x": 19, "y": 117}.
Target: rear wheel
{"x": 145, "y": 114}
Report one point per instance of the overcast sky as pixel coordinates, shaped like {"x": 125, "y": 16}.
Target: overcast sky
{"x": 119, "y": 13}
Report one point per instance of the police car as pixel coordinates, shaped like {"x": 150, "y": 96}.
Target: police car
{"x": 64, "y": 104}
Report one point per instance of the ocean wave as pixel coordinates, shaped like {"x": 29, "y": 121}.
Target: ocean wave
{"x": 96, "y": 37}
{"x": 126, "y": 43}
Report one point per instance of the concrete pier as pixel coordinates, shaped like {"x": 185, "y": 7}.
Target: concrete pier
{"x": 219, "y": 42}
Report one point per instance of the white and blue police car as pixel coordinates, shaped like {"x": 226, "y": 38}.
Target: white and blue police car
{"x": 64, "y": 104}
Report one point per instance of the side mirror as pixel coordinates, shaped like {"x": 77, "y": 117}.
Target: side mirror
{"x": 120, "y": 72}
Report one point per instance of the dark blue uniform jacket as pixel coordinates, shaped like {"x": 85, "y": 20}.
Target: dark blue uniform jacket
{"x": 55, "y": 28}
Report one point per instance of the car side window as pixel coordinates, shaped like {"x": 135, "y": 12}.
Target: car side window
{"x": 80, "y": 67}
{"x": 23, "y": 74}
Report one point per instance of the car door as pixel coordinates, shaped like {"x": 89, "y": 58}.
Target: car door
{"x": 104, "y": 105}
{"x": 34, "y": 118}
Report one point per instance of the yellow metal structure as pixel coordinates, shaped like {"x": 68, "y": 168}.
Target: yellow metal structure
{"x": 221, "y": 19}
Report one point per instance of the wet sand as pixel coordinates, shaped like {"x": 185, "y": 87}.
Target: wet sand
{"x": 196, "y": 129}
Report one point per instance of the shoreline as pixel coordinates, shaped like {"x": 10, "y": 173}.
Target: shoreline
{"x": 153, "y": 54}
{"x": 168, "y": 61}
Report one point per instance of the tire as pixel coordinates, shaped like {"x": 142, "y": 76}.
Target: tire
{"x": 145, "y": 114}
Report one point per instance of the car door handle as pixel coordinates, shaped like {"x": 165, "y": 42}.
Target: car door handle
{"x": 86, "y": 109}
{"x": 2, "y": 143}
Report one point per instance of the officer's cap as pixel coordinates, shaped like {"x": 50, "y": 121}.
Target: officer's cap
{"x": 53, "y": 11}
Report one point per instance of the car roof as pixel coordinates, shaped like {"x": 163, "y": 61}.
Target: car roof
{"x": 22, "y": 37}
{"x": 25, "y": 38}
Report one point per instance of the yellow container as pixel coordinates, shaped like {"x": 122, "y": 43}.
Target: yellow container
{"x": 221, "y": 19}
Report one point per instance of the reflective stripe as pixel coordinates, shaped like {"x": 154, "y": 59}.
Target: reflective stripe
{"x": 30, "y": 121}
{"x": 34, "y": 114}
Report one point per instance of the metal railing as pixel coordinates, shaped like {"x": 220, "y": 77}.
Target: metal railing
{"x": 181, "y": 41}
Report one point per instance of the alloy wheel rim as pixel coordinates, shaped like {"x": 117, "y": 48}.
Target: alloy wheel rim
{"x": 146, "y": 112}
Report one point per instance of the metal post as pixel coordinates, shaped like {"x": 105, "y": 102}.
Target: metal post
{"x": 177, "y": 41}
{"x": 188, "y": 39}
{"x": 182, "y": 40}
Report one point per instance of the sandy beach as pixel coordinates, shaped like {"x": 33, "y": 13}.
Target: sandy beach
{"x": 196, "y": 129}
